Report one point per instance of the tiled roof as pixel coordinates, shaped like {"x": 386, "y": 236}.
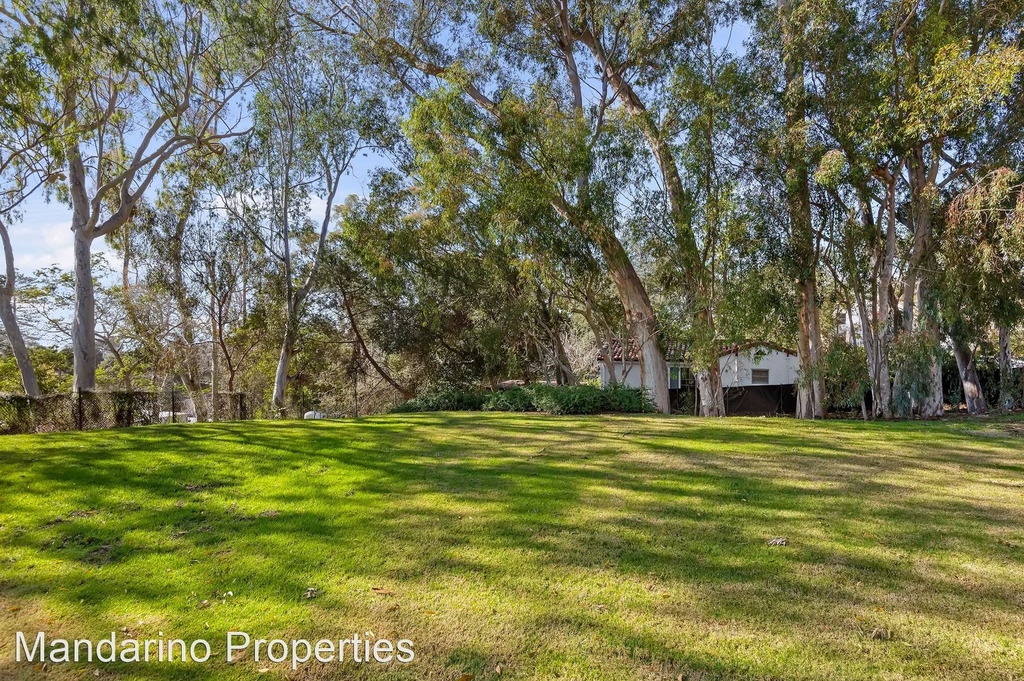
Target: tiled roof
{"x": 676, "y": 352}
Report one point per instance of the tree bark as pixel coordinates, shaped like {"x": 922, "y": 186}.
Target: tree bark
{"x": 83, "y": 327}
{"x": 284, "y": 362}
{"x": 922, "y": 176}
{"x": 603, "y": 342}
{"x": 709, "y": 384}
{"x": 798, "y": 199}
{"x": 810, "y": 391}
{"x": 214, "y": 364}
{"x": 640, "y": 319}
{"x": 973, "y": 395}
{"x": 1006, "y": 397}
{"x": 10, "y": 319}
{"x": 17, "y": 341}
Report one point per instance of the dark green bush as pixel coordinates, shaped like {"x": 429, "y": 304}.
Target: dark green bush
{"x": 515, "y": 399}
{"x": 629, "y": 400}
{"x": 563, "y": 399}
{"x": 16, "y": 414}
{"x": 443, "y": 401}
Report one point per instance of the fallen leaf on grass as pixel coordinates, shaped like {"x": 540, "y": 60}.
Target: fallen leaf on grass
{"x": 311, "y": 592}
{"x": 778, "y": 541}
{"x": 497, "y": 670}
{"x": 383, "y": 591}
{"x": 467, "y": 677}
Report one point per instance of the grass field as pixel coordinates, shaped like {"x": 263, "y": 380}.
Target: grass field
{"x": 528, "y": 547}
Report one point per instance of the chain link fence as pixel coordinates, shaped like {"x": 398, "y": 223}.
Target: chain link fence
{"x": 114, "y": 409}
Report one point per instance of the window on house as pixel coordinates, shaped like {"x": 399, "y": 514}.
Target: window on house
{"x": 675, "y": 378}
{"x": 759, "y": 376}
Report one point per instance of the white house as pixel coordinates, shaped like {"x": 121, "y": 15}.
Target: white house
{"x": 758, "y": 364}
{"x": 756, "y": 377}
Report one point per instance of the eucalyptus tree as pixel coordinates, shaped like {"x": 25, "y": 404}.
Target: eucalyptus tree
{"x": 938, "y": 68}
{"x": 981, "y": 279}
{"x": 901, "y": 94}
{"x": 130, "y": 86}
{"x": 638, "y": 48}
{"x": 311, "y": 118}
{"x": 520, "y": 96}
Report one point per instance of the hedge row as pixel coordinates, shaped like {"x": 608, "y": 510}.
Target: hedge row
{"x": 564, "y": 399}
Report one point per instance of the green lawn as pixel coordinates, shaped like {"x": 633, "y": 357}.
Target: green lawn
{"x": 608, "y": 548}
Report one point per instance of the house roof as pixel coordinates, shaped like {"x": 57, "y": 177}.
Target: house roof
{"x": 627, "y": 352}
{"x": 676, "y": 352}
{"x": 750, "y": 345}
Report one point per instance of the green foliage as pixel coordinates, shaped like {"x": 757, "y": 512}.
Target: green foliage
{"x": 443, "y": 401}
{"x": 15, "y": 414}
{"x": 560, "y": 400}
{"x": 516, "y": 399}
{"x": 844, "y": 372}
{"x": 53, "y": 371}
{"x": 912, "y": 357}
{"x": 577, "y": 399}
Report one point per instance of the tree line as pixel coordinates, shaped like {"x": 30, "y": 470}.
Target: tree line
{"x": 537, "y": 180}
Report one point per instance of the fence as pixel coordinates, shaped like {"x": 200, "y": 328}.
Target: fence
{"x": 117, "y": 409}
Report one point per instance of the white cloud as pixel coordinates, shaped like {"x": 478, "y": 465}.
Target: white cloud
{"x": 43, "y": 237}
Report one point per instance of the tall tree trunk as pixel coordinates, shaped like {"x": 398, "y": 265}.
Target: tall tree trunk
{"x": 922, "y": 174}
{"x": 709, "y": 385}
{"x": 214, "y": 364}
{"x": 810, "y": 391}
{"x": 640, "y": 319}
{"x": 10, "y": 319}
{"x": 284, "y": 361}
{"x": 798, "y": 199}
{"x": 1006, "y": 397}
{"x": 639, "y": 314}
{"x": 17, "y": 341}
{"x": 83, "y": 327}
{"x": 973, "y": 396}
{"x": 604, "y": 342}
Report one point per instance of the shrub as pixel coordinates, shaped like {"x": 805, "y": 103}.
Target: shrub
{"x": 630, "y": 400}
{"x": 563, "y": 399}
{"x": 443, "y": 401}
{"x": 586, "y": 399}
{"x": 515, "y": 399}
{"x": 844, "y": 373}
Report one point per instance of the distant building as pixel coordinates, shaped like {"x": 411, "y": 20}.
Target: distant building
{"x": 757, "y": 377}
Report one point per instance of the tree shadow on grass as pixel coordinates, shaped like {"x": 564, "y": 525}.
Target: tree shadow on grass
{"x": 681, "y": 508}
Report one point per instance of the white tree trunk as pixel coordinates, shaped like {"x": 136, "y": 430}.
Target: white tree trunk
{"x": 709, "y": 385}
{"x": 284, "y": 362}
{"x": 10, "y": 319}
{"x": 643, "y": 327}
{"x": 1006, "y": 397}
{"x": 969, "y": 379}
{"x": 83, "y": 328}
{"x": 17, "y": 341}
